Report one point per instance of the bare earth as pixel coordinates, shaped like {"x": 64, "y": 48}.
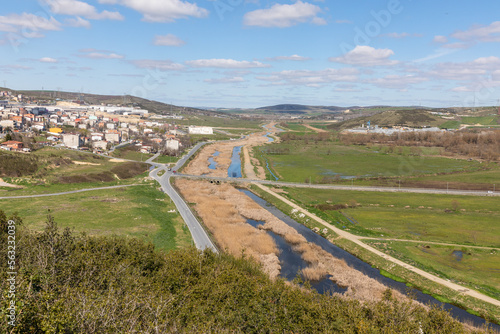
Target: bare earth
{"x": 314, "y": 129}
{"x": 8, "y": 185}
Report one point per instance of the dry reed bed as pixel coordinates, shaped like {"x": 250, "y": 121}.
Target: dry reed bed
{"x": 199, "y": 165}
{"x": 224, "y": 210}
{"x": 228, "y": 226}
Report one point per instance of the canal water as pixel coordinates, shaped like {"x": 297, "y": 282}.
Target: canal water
{"x": 213, "y": 163}
{"x": 234, "y": 169}
{"x": 292, "y": 263}
{"x": 357, "y": 264}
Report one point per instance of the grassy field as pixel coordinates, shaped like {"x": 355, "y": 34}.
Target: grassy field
{"x": 128, "y": 152}
{"x": 327, "y": 159}
{"x": 56, "y": 170}
{"x": 468, "y": 273}
{"x": 483, "y": 120}
{"x": 466, "y": 220}
{"x": 473, "y": 267}
{"x": 138, "y": 211}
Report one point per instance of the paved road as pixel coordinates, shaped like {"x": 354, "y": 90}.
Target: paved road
{"x": 356, "y": 188}
{"x": 69, "y": 192}
{"x": 200, "y": 237}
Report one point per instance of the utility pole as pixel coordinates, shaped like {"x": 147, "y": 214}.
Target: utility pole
{"x": 447, "y": 187}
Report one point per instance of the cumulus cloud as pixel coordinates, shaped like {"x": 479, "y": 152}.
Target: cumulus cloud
{"x": 466, "y": 71}
{"x": 225, "y": 63}
{"x": 490, "y": 33}
{"x": 77, "y": 22}
{"x": 48, "y": 60}
{"x": 99, "y": 54}
{"x": 225, "y": 80}
{"x": 161, "y": 10}
{"x": 363, "y": 55}
{"x": 311, "y": 78}
{"x": 398, "y": 81}
{"x": 282, "y": 16}
{"x": 29, "y": 25}
{"x": 292, "y": 57}
{"x": 168, "y": 40}
{"x": 80, "y": 8}
{"x": 440, "y": 39}
{"x": 161, "y": 65}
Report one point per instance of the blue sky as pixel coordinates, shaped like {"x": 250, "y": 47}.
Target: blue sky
{"x": 251, "y": 53}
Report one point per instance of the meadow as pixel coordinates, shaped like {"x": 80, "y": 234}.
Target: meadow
{"x": 327, "y": 159}
{"x": 136, "y": 211}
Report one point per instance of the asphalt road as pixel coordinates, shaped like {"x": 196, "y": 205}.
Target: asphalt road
{"x": 356, "y": 188}
{"x": 200, "y": 237}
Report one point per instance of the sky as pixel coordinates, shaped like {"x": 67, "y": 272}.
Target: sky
{"x": 253, "y": 53}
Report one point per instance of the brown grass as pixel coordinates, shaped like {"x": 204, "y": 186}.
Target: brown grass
{"x": 224, "y": 211}
{"x": 228, "y": 226}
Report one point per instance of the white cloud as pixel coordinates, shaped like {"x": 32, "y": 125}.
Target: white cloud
{"x": 346, "y": 88}
{"x": 292, "y": 57}
{"x": 363, "y": 55}
{"x": 311, "y": 78}
{"x": 462, "y": 89}
{"x": 457, "y": 45}
{"x": 48, "y": 60}
{"x": 77, "y": 22}
{"x": 162, "y": 65}
{"x": 398, "y": 81}
{"x": 168, "y": 40}
{"x": 282, "y": 16}
{"x": 475, "y": 70}
{"x": 478, "y": 33}
{"x": 162, "y": 10}
{"x": 440, "y": 39}
{"x": 225, "y": 63}
{"x": 80, "y": 8}
{"x": 225, "y": 80}
{"x": 99, "y": 54}
{"x": 28, "y": 25}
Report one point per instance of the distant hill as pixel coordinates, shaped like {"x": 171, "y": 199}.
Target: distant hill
{"x": 124, "y": 100}
{"x": 300, "y": 109}
{"x": 411, "y": 118}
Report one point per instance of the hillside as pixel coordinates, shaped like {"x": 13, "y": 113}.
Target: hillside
{"x": 300, "y": 109}
{"x": 125, "y": 100}
{"x": 411, "y": 118}
{"x": 72, "y": 283}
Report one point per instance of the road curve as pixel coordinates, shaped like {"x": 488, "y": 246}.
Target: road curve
{"x": 200, "y": 237}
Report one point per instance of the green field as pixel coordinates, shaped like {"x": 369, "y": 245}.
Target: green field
{"x": 138, "y": 211}
{"x": 483, "y": 120}
{"x": 473, "y": 267}
{"x": 56, "y": 170}
{"x": 326, "y": 159}
{"x": 470, "y": 220}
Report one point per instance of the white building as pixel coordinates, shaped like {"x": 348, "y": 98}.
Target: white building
{"x": 200, "y": 130}
{"x": 172, "y": 144}
{"x": 71, "y": 140}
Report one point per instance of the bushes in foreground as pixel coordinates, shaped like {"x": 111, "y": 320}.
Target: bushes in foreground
{"x": 70, "y": 283}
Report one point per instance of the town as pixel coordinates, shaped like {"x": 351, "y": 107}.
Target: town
{"x": 96, "y": 128}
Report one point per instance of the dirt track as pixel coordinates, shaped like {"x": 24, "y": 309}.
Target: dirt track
{"x": 357, "y": 240}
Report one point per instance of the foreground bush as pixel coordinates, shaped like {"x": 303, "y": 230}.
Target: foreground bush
{"x": 70, "y": 283}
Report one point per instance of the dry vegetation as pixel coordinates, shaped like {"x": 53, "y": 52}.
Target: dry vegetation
{"x": 199, "y": 165}
{"x": 227, "y": 224}
{"x": 224, "y": 211}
